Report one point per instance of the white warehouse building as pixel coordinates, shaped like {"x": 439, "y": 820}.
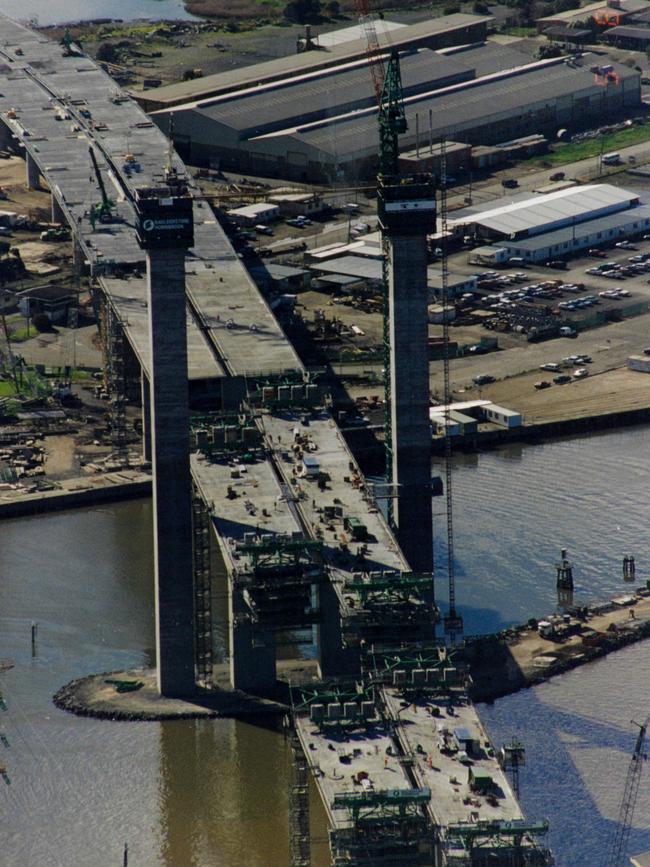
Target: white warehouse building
{"x": 524, "y": 216}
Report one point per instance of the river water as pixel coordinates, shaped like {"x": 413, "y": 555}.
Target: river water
{"x": 64, "y": 11}
{"x": 198, "y": 794}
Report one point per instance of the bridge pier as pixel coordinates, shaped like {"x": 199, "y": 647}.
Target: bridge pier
{"x": 334, "y": 660}
{"x": 6, "y": 137}
{"x": 57, "y": 211}
{"x": 252, "y": 650}
{"x": 146, "y": 416}
{"x": 33, "y": 174}
{"x": 171, "y": 471}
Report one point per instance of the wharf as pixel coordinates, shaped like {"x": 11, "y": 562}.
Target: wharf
{"x": 519, "y": 657}
{"x": 75, "y": 493}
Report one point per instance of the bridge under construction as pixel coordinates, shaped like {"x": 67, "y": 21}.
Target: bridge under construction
{"x": 244, "y": 449}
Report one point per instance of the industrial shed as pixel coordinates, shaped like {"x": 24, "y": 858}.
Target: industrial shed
{"x": 629, "y": 37}
{"x": 581, "y": 236}
{"x": 526, "y": 216}
{"x": 436, "y": 33}
{"x": 323, "y": 127}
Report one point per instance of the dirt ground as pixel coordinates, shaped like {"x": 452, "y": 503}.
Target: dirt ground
{"x": 611, "y": 391}
{"x": 242, "y": 32}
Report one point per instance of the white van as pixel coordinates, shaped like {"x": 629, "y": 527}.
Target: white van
{"x": 264, "y": 230}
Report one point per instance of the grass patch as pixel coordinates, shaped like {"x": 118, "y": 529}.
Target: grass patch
{"x": 520, "y": 31}
{"x": 592, "y": 147}
{"x": 20, "y": 334}
{"x": 6, "y": 388}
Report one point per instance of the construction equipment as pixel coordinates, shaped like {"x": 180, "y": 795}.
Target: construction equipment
{"x": 70, "y": 47}
{"x": 102, "y": 212}
{"x": 617, "y": 856}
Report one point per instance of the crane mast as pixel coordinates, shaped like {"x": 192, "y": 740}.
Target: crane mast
{"x": 617, "y": 856}
{"x": 104, "y": 210}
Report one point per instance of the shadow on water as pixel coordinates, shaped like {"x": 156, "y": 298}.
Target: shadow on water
{"x": 552, "y": 783}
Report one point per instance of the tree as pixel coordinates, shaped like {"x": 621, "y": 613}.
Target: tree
{"x": 107, "y": 53}
{"x": 451, "y": 9}
{"x": 302, "y": 11}
{"x": 333, "y": 8}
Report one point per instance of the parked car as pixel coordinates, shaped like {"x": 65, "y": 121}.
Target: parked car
{"x": 562, "y": 379}
{"x": 510, "y": 183}
{"x": 580, "y": 373}
{"x": 550, "y": 365}
{"x": 482, "y": 379}
{"x": 543, "y": 383}
{"x": 557, "y": 176}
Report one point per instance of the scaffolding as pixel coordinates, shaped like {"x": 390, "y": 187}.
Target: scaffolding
{"x": 299, "y": 838}
{"x": 379, "y": 605}
{"x": 112, "y": 341}
{"x": 202, "y": 590}
{"x": 277, "y": 578}
{"x": 224, "y": 433}
{"x": 498, "y": 843}
{"x": 387, "y": 827}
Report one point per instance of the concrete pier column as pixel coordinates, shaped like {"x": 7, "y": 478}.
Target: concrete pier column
{"x": 33, "y": 174}
{"x": 146, "y": 416}
{"x": 78, "y": 258}
{"x": 6, "y": 137}
{"x": 411, "y": 431}
{"x": 57, "y": 211}
{"x": 172, "y": 495}
{"x": 334, "y": 660}
{"x": 252, "y": 650}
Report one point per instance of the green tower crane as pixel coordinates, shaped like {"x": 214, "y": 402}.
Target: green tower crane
{"x": 102, "y": 211}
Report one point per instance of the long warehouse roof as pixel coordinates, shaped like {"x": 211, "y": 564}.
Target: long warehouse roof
{"x": 307, "y": 61}
{"x": 292, "y": 102}
{"x": 582, "y": 230}
{"x": 463, "y": 107}
{"x": 534, "y": 213}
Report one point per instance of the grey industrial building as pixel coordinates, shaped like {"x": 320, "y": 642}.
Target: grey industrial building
{"x": 553, "y": 225}
{"x": 524, "y": 215}
{"x": 564, "y": 241}
{"x": 436, "y": 33}
{"x": 323, "y": 126}
{"x": 630, "y": 37}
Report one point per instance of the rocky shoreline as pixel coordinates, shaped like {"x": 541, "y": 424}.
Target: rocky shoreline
{"x": 94, "y": 696}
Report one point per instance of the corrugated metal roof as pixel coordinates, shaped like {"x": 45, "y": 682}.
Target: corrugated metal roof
{"x": 472, "y": 106}
{"x": 534, "y": 213}
{"x": 581, "y": 230}
{"x": 357, "y": 31}
{"x": 308, "y": 60}
{"x": 351, "y": 266}
{"x": 629, "y": 32}
{"x": 293, "y": 102}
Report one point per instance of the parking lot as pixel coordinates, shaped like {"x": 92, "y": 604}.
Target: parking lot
{"x": 600, "y": 285}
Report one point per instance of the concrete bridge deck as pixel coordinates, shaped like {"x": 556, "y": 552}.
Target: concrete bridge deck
{"x": 231, "y": 334}
{"x": 56, "y": 107}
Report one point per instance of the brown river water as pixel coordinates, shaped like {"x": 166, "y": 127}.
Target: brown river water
{"x": 214, "y": 793}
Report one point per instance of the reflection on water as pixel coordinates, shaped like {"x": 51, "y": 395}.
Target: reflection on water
{"x": 204, "y": 793}
{"x": 180, "y": 793}
{"x": 516, "y": 507}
